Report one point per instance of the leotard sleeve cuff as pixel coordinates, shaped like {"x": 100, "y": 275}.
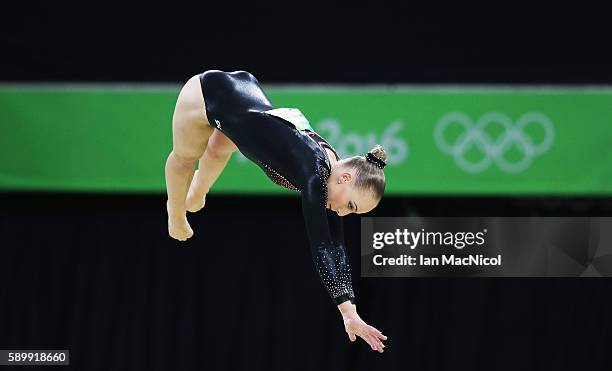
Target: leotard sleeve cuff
{"x": 342, "y": 298}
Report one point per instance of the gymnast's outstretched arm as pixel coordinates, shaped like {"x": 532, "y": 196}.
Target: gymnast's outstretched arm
{"x": 331, "y": 260}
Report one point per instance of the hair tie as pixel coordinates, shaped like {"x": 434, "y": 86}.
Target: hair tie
{"x": 375, "y": 160}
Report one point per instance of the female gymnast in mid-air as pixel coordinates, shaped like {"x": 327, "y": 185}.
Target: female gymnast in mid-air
{"x": 220, "y": 112}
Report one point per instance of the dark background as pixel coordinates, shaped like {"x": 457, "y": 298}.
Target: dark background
{"x": 419, "y": 42}
{"x": 98, "y": 274}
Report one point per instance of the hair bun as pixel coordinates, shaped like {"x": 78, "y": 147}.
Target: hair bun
{"x": 371, "y": 157}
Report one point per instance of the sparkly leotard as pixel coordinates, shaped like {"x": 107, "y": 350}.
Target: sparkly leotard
{"x": 291, "y": 157}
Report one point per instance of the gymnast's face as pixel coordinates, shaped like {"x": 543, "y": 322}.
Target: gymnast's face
{"x": 345, "y": 199}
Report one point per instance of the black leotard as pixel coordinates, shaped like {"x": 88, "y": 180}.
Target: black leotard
{"x": 236, "y": 105}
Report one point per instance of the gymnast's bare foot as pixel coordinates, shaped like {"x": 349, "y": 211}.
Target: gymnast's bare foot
{"x": 195, "y": 200}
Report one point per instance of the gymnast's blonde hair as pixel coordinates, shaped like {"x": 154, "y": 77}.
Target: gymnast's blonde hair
{"x": 369, "y": 174}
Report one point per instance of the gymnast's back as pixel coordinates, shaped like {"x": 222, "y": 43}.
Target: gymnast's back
{"x": 283, "y": 144}
{"x": 237, "y": 106}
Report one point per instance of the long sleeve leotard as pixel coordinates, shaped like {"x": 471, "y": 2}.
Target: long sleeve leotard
{"x": 291, "y": 157}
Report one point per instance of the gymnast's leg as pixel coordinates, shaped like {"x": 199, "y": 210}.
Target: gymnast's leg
{"x": 190, "y": 135}
{"x": 218, "y": 152}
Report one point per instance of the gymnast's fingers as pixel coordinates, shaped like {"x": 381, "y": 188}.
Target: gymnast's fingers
{"x": 368, "y": 339}
{"x": 376, "y": 344}
{"x": 378, "y": 334}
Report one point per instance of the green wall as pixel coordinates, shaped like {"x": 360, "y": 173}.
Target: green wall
{"x": 440, "y": 141}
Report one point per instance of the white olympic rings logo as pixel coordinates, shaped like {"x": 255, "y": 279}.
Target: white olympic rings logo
{"x": 474, "y": 135}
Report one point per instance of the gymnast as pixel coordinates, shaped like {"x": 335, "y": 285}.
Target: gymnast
{"x": 218, "y": 113}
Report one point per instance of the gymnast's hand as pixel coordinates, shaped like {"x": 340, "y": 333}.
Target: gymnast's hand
{"x": 355, "y": 326}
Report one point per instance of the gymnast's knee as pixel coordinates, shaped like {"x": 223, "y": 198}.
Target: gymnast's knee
{"x": 220, "y": 147}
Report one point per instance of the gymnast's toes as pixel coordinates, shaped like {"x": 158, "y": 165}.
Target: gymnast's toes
{"x": 194, "y": 204}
